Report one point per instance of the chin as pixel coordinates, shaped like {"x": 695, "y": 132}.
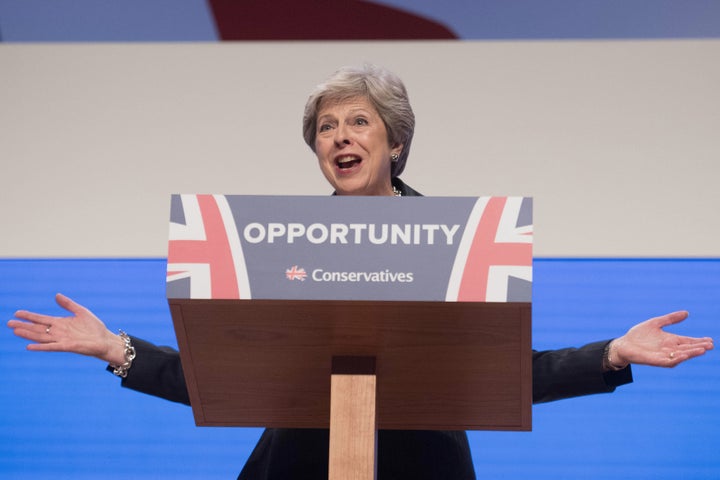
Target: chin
{"x": 347, "y": 188}
{"x": 343, "y": 191}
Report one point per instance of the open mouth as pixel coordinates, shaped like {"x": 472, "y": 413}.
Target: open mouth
{"x": 346, "y": 162}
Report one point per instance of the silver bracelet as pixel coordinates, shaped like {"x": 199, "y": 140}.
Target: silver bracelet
{"x": 129, "y": 353}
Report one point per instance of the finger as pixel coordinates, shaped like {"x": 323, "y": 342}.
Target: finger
{"x": 33, "y": 334}
{"x": 696, "y": 352}
{"x": 671, "y": 359}
{"x": 695, "y": 341}
{"x": 33, "y": 317}
{"x": 704, "y": 345}
{"x": 41, "y": 333}
{"x": 671, "y": 338}
{"x": 68, "y": 304}
{"x": 681, "y": 356}
{"x": 20, "y": 329}
{"x": 18, "y": 324}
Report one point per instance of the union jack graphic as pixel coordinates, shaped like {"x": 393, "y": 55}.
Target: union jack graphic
{"x": 205, "y": 258}
{"x": 295, "y": 273}
{"x": 494, "y": 253}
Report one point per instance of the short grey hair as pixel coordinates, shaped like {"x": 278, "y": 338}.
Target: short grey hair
{"x": 385, "y": 92}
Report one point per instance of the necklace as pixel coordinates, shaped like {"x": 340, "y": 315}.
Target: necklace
{"x": 396, "y": 192}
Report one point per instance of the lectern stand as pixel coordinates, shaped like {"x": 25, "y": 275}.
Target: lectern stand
{"x": 409, "y": 365}
{"x": 353, "y": 428}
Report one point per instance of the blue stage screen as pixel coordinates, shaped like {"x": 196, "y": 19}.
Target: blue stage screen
{"x": 64, "y": 416}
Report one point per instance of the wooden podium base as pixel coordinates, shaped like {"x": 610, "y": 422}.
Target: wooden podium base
{"x": 353, "y": 421}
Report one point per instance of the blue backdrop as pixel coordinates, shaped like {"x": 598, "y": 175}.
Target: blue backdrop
{"x": 194, "y": 20}
{"x": 64, "y": 416}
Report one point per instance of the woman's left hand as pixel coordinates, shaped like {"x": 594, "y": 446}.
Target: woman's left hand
{"x": 81, "y": 332}
{"x": 648, "y": 344}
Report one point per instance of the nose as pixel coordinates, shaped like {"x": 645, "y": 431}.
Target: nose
{"x": 341, "y": 136}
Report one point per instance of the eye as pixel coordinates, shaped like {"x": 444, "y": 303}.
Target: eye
{"x": 361, "y": 121}
{"x": 324, "y": 127}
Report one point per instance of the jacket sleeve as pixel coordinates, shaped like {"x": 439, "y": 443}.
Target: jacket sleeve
{"x": 156, "y": 371}
{"x": 572, "y": 372}
{"x": 557, "y": 374}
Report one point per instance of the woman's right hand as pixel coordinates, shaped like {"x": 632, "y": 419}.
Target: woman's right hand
{"x": 82, "y": 332}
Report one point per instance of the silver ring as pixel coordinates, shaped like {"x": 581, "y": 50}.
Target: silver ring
{"x": 47, "y": 330}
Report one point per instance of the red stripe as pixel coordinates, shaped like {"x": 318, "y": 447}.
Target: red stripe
{"x": 484, "y": 253}
{"x": 215, "y": 251}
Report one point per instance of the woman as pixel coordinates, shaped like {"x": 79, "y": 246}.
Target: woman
{"x": 360, "y": 125}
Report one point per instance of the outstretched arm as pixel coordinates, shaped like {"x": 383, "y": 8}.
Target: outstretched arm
{"x": 80, "y": 332}
{"x": 156, "y": 370}
{"x": 602, "y": 366}
{"x": 648, "y": 344}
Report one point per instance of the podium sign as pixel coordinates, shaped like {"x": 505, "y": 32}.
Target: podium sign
{"x": 266, "y": 291}
{"x": 350, "y": 248}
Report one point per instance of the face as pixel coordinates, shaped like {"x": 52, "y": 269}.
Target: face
{"x": 352, "y": 147}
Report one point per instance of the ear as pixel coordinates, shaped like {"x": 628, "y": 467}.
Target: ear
{"x": 396, "y": 149}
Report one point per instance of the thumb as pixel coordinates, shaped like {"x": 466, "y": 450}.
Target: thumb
{"x": 68, "y": 304}
{"x": 670, "y": 318}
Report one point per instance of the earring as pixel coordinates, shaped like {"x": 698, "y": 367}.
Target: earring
{"x": 394, "y": 157}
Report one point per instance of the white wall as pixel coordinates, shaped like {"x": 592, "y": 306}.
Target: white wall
{"x": 617, "y": 141}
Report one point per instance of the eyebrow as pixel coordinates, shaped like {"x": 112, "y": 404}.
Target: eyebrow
{"x": 351, "y": 113}
{"x": 325, "y": 116}
{"x": 363, "y": 110}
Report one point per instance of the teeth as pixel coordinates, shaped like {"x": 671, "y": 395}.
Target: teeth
{"x": 347, "y": 159}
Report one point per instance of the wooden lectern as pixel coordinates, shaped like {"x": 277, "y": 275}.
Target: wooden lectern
{"x": 434, "y": 365}
{"x": 337, "y": 333}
